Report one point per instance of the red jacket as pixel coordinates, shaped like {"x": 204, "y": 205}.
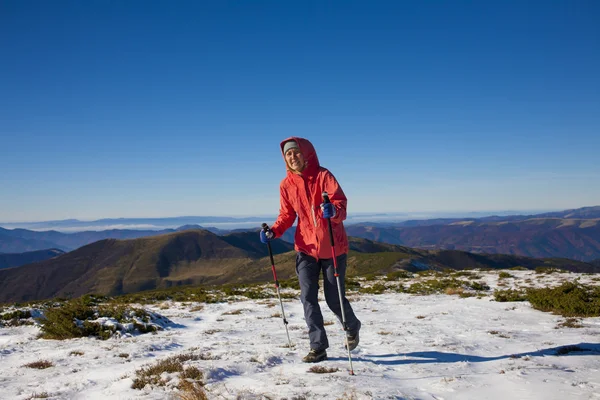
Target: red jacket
{"x": 301, "y": 196}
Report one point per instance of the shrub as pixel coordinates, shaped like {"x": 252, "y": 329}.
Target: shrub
{"x": 435, "y": 286}
{"x": 396, "y": 275}
{"x": 59, "y": 321}
{"x": 351, "y": 284}
{"x": 570, "y": 299}
{"x": 151, "y": 375}
{"x": 509, "y": 295}
{"x": 504, "y": 275}
{"x": 569, "y": 323}
{"x": 377, "y": 288}
{"x": 42, "y": 364}
{"x": 75, "y": 318}
{"x": 291, "y": 284}
{"x": 569, "y": 349}
{"x": 545, "y": 270}
{"x": 518, "y": 268}
{"x": 479, "y": 286}
{"x": 17, "y": 314}
{"x": 317, "y": 369}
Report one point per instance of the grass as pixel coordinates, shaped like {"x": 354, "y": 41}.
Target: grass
{"x": 76, "y": 353}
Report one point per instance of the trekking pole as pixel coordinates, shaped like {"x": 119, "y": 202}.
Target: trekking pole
{"x": 337, "y": 278}
{"x": 285, "y": 322}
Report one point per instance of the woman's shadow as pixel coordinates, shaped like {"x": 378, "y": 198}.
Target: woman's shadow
{"x": 422, "y": 357}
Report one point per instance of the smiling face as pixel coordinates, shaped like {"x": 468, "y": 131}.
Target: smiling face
{"x": 295, "y": 159}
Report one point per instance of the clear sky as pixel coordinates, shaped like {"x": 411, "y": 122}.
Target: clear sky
{"x": 162, "y": 108}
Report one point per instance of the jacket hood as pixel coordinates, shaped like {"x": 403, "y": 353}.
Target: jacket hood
{"x": 308, "y": 152}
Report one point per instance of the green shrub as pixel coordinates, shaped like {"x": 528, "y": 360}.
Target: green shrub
{"x": 59, "y": 321}
{"x": 434, "y": 286}
{"x": 290, "y": 284}
{"x": 546, "y": 270}
{"x": 351, "y": 284}
{"x": 396, "y": 275}
{"x": 467, "y": 274}
{"x": 17, "y": 314}
{"x": 504, "y": 275}
{"x": 377, "y": 288}
{"x": 518, "y": 268}
{"x": 479, "y": 286}
{"x": 74, "y": 318}
{"x": 509, "y": 295}
{"x": 571, "y": 299}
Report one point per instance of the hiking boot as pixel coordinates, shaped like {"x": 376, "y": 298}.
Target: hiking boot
{"x": 353, "y": 341}
{"x": 315, "y": 356}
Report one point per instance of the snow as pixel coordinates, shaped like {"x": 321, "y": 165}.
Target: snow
{"x": 412, "y": 347}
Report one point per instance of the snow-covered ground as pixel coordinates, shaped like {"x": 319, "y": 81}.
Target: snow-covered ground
{"x": 412, "y": 347}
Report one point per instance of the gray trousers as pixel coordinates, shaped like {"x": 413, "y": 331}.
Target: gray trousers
{"x": 309, "y": 270}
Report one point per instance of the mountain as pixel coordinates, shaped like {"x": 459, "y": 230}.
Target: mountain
{"x": 9, "y": 260}
{"x": 21, "y": 240}
{"x": 578, "y": 213}
{"x": 568, "y": 234}
{"x": 14, "y": 243}
{"x": 196, "y": 257}
{"x": 578, "y": 239}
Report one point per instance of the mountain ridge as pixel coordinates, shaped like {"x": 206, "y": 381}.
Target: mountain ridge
{"x": 197, "y": 257}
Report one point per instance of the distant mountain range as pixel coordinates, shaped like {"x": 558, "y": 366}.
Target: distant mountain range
{"x": 193, "y": 257}
{"x": 14, "y": 260}
{"x": 571, "y": 234}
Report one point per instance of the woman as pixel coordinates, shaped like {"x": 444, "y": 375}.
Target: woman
{"x": 301, "y": 196}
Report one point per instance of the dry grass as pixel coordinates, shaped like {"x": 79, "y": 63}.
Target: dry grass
{"x": 322, "y": 370}
{"x": 454, "y": 291}
{"x": 197, "y": 308}
{"x": 43, "y": 395}
{"x": 420, "y": 317}
{"x": 569, "y": 323}
{"x": 191, "y": 391}
{"x": 327, "y": 323}
{"x": 76, "y": 353}
{"x": 233, "y": 312}
{"x": 152, "y": 374}
{"x": 42, "y": 364}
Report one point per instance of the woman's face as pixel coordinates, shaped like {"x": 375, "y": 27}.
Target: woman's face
{"x": 295, "y": 159}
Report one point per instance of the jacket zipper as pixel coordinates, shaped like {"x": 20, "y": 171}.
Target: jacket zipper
{"x": 312, "y": 207}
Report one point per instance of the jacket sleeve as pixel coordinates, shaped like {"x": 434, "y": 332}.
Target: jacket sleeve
{"x": 336, "y": 195}
{"x": 287, "y": 214}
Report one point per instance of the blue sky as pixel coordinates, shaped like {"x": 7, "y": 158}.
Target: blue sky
{"x": 151, "y": 109}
